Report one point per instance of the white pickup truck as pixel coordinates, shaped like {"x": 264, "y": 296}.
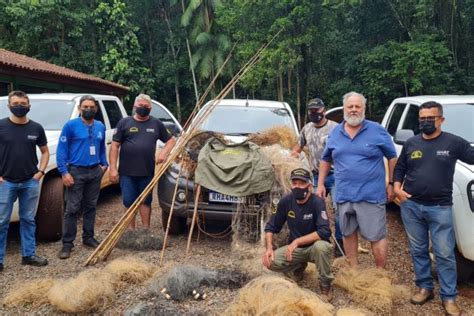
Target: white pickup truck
{"x": 52, "y": 111}
{"x": 402, "y": 114}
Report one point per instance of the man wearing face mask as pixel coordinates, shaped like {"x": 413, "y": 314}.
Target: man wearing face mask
{"x": 314, "y": 135}
{"x": 426, "y": 169}
{"x": 82, "y": 162}
{"x": 305, "y": 214}
{"x": 20, "y": 175}
{"x": 135, "y": 137}
{"x": 357, "y": 147}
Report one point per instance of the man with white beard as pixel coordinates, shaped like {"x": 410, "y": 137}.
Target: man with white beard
{"x": 357, "y": 147}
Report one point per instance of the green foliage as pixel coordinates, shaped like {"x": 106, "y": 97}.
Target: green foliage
{"x": 383, "y": 49}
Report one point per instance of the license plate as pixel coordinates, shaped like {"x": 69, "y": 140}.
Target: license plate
{"x": 224, "y": 198}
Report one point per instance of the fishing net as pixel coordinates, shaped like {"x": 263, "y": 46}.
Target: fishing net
{"x": 130, "y": 270}
{"x": 282, "y": 135}
{"x": 373, "y": 288}
{"x": 181, "y": 281}
{"x": 140, "y": 239}
{"x": 92, "y": 289}
{"x": 272, "y": 295}
{"x": 33, "y": 293}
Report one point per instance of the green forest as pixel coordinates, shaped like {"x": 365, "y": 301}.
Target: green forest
{"x": 171, "y": 49}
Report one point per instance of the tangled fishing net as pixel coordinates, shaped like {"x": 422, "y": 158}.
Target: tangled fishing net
{"x": 194, "y": 146}
{"x": 140, "y": 239}
{"x": 161, "y": 308}
{"x": 28, "y": 293}
{"x": 349, "y": 311}
{"x": 282, "y": 135}
{"x": 181, "y": 281}
{"x": 272, "y": 295}
{"x": 130, "y": 270}
{"x": 373, "y": 288}
{"x": 91, "y": 290}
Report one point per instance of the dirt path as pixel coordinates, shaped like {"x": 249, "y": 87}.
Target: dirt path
{"x": 212, "y": 253}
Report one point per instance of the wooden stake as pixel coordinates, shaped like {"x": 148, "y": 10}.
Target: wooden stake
{"x": 165, "y": 240}
{"x": 193, "y": 221}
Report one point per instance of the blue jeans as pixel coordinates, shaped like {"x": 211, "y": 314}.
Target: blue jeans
{"x": 132, "y": 187}
{"x": 419, "y": 221}
{"x": 27, "y": 193}
{"x": 329, "y": 184}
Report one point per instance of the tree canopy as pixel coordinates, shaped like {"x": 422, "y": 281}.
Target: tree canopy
{"x": 171, "y": 49}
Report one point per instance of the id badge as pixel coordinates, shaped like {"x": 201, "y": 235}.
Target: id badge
{"x": 92, "y": 150}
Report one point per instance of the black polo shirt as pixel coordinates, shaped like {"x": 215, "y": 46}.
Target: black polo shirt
{"x": 302, "y": 219}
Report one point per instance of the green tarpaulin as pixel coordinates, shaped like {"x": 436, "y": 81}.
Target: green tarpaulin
{"x": 235, "y": 169}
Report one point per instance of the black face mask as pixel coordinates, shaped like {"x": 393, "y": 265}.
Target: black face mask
{"x": 88, "y": 114}
{"x": 427, "y": 127}
{"x": 300, "y": 194}
{"x": 142, "y": 111}
{"x": 316, "y": 117}
{"x": 19, "y": 110}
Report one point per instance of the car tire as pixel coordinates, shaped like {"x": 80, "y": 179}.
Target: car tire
{"x": 465, "y": 267}
{"x": 177, "y": 224}
{"x": 49, "y": 216}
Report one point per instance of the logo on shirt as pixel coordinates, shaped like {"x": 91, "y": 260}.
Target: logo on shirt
{"x": 291, "y": 214}
{"x": 324, "y": 215}
{"x": 417, "y": 154}
{"x": 63, "y": 139}
{"x": 274, "y": 210}
{"x": 308, "y": 216}
{"x": 133, "y": 130}
{"x": 150, "y": 130}
{"x": 99, "y": 135}
{"x": 444, "y": 153}
{"x": 31, "y": 137}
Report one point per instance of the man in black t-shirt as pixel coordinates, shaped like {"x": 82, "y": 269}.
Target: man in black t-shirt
{"x": 135, "y": 137}
{"x": 305, "y": 214}
{"x": 426, "y": 168}
{"x": 20, "y": 176}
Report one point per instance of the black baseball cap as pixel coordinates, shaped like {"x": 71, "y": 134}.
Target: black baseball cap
{"x": 301, "y": 174}
{"x": 316, "y": 103}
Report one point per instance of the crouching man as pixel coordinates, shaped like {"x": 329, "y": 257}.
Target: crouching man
{"x": 309, "y": 233}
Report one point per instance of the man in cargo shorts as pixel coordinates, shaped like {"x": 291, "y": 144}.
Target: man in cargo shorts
{"x": 308, "y": 225}
{"x": 357, "y": 148}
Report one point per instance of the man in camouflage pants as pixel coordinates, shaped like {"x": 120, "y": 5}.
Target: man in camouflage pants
{"x": 314, "y": 135}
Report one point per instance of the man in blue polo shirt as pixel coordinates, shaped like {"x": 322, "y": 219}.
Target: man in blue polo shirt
{"x": 82, "y": 162}
{"x": 357, "y": 147}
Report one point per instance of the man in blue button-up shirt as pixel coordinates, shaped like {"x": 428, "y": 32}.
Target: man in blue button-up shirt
{"x": 357, "y": 147}
{"x": 82, "y": 162}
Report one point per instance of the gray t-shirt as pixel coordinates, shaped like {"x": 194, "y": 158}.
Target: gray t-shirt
{"x": 138, "y": 145}
{"x": 315, "y": 138}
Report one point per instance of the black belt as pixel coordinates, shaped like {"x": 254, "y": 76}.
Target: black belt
{"x": 86, "y": 167}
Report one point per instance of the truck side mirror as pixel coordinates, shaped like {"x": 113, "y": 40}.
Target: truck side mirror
{"x": 172, "y": 128}
{"x": 402, "y": 135}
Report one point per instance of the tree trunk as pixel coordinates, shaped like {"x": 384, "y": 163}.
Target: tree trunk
{"x": 298, "y": 100}
{"x": 289, "y": 81}
{"x": 280, "y": 81}
{"x": 196, "y": 93}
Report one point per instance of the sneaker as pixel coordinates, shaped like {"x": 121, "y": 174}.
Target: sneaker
{"x": 64, "y": 253}
{"x": 326, "y": 292}
{"x": 35, "y": 260}
{"x": 451, "y": 308}
{"x": 422, "y": 297}
{"x": 298, "y": 274}
{"x": 91, "y": 243}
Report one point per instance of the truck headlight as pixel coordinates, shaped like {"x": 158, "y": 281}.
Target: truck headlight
{"x": 470, "y": 194}
{"x": 181, "y": 196}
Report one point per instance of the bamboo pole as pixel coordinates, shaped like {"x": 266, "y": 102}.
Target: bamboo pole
{"x": 165, "y": 240}
{"x": 193, "y": 221}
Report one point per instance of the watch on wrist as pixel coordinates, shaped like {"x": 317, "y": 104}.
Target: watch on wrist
{"x": 42, "y": 171}
{"x": 390, "y": 183}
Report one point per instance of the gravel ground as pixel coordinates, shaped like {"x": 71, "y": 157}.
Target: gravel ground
{"x": 212, "y": 253}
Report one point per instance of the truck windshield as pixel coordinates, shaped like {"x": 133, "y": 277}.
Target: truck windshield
{"x": 459, "y": 120}
{"x": 245, "y": 120}
{"x": 51, "y": 114}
